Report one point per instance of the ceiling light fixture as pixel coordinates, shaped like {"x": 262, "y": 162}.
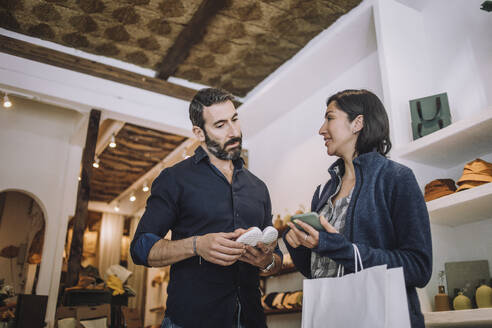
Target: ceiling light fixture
{"x": 96, "y": 162}
{"x": 112, "y": 143}
{"x": 117, "y": 207}
{"x": 132, "y": 197}
{"x": 145, "y": 187}
{"x": 6, "y": 102}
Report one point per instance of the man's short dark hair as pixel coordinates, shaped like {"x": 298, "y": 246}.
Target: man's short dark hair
{"x": 204, "y": 98}
{"x": 375, "y": 133}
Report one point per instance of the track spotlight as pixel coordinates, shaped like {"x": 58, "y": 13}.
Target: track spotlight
{"x": 145, "y": 187}
{"x": 117, "y": 207}
{"x": 96, "y": 162}
{"x": 6, "y": 102}
{"x": 112, "y": 143}
{"x": 132, "y": 197}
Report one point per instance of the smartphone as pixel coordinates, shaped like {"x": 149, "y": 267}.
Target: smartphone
{"x": 310, "y": 218}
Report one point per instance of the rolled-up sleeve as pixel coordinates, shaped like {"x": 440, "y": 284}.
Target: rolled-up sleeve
{"x": 268, "y": 219}
{"x": 159, "y": 216}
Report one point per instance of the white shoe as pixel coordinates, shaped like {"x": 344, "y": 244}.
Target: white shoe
{"x": 270, "y": 234}
{"x": 251, "y": 237}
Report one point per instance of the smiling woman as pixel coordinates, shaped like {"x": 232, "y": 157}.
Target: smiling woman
{"x": 370, "y": 202}
{"x": 365, "y": 116}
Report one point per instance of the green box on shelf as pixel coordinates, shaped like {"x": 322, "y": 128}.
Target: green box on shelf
{"x": 429, "y": 114}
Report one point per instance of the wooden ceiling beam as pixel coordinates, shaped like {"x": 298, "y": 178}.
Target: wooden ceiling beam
{"x": 189, "y": 36}
{"x": 44, "y": 55}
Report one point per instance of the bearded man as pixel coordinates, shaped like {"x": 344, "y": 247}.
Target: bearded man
{"x": 208, "y": 201}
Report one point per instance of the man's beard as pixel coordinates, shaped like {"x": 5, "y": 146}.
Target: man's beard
{"x": 220, "y": 152}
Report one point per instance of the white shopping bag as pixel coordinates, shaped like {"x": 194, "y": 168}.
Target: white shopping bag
{"x": 370, "y": 298}
{"x": 396, "y": 299}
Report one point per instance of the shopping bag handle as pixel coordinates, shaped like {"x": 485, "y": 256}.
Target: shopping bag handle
{"x": 357, "y": 259}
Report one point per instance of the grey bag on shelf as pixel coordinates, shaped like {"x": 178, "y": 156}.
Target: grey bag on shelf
{"x": 429, "y": 114}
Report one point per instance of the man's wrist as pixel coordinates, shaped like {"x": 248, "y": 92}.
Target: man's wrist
{"x": 270, "y": 266}
{"x": 195, "y": 252}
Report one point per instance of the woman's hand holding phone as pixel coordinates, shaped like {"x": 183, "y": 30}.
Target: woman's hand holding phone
{"x": 310, "y": 236}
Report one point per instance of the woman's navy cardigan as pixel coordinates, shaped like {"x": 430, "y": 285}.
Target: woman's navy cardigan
{"x": 387, "y": 219}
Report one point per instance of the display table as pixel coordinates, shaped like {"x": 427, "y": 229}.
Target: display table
{"x": 90, "y": 297}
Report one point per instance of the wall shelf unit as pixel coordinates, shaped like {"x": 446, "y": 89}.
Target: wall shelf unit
{"x": 461, "y": 318}
{"x": 462, "y": 207}
{"x": 460, "y": 142}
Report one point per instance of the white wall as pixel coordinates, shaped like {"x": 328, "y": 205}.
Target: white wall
{"x": 460, "y": 49}
{"x": 40, "y": 155}
{"x": 326, "y": 57}
{"x": 444, "y": 47}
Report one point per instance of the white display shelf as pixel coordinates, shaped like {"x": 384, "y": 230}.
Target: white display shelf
{"x": 462, "y": 207}
{"x": 460, "y": 142}
{"x": 461, "y": 318}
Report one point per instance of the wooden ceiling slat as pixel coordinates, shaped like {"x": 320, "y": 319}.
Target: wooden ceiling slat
{"x": 125, "y": 164}
{"x": 59, "y": 59}
{"x": 107, "y": 184}
{"x": 153, "y": 141}
{"x": 144, "y": 148}
{"x": 137, "y": 155}
{"x": 129, "y": 128}
{"x": 121, "y": 176}
{"x": 189, "y": 36}
{"x": 126, "y": 170}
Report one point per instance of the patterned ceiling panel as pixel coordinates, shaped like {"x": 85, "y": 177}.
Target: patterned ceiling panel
{"x": 242, "y": 44}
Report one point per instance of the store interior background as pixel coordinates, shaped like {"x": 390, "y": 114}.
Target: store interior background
{"x": 446, "y": 48}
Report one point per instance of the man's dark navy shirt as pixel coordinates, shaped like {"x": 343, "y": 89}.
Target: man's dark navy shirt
{"x": 193, "y": 198}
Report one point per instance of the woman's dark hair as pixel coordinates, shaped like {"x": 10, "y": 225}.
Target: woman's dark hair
{"x": 204, "y": 98}
{"x": 375, "y": 133}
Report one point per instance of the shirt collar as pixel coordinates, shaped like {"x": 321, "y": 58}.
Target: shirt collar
{"x": 201, "y": 154}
